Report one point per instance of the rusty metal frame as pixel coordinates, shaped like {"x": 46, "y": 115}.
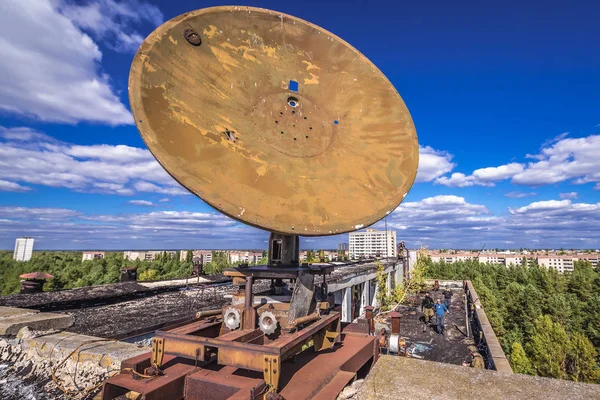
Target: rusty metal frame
{"x": 234, "y": 348}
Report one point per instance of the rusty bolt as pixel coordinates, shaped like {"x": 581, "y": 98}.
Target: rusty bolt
{"x": 274, "y": 371}
{"x": 266, "y": 359}
{"x": 266, "y": 369}
{"x": 192, "y": 37}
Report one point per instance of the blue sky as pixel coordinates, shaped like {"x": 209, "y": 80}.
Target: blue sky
{"x": 505, "y": 98}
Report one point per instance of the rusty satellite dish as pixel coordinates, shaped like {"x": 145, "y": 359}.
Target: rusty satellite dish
{"x": 273, "y": 121}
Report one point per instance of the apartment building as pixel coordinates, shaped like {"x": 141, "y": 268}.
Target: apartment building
{"x": 23, "y": 249}
{"x": 559, "y": 263}
{"x": 562, "y": 263}
{"x": 372, "y": 243}
{"x": 451, "y": 257}
{"x": 92, "y": 255}
{"x": 250, "y": 257}
{"x": 146, "y": 255}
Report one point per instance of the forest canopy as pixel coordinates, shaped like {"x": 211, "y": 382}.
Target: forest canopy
{"x": 70, "y": 272}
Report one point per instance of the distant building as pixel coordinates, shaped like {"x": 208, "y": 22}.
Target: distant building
{"x": 183, "y": 255}
{"x": 205, "y": 256}
{"x": 23, "y": 249}
{"x": 343, "y": 247}
{"x": 92, "y": 255}
{"x": 250, "y": 257}
{"x": 561, "y": 263}
{"x": 146, "y": 255}
{"x": 372, "y": 243}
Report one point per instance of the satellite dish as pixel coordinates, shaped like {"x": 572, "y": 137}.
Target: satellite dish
{"x": 273, "y": 121}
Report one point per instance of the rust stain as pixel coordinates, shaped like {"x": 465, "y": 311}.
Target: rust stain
{"x": 314, "y": 79}
{"x": 224, "y": 58}
{"x": 210, "y": 32}
{"x": 309, "y": 65}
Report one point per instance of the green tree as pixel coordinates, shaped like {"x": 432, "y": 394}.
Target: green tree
{"x": 581, "y": 360}
{"x": 519, "y": 361}
{"x": 548, "y": 348}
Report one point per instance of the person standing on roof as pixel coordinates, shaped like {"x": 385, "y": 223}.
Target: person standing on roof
{"x": 440, "y": 310}
{"x": 427, "y": 308}
{"x": 447, "y": 297}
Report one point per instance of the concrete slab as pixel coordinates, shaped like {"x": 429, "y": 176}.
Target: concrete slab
{"x": 401, "y": 378}
{"x": 6, "y": 312}
{"x": 15, "y": 320}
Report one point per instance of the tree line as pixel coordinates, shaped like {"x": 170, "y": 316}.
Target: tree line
{"x": 70, "y": 272}
{"x": 548, "y": 322}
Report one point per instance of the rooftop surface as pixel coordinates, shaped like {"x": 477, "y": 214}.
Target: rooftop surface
{"x": 400, "y": 378}
{"x": 450, "y": 348}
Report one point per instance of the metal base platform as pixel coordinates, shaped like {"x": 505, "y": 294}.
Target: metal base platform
{"x": 313, "y": 363}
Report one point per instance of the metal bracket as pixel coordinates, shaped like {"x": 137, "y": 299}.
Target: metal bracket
{"x": 158, "y": 351}
{"x": 272, "y": 371}
{"x": 325, "y": 339}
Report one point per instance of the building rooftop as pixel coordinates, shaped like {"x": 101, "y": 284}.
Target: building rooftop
{"x": 450, "y": 348}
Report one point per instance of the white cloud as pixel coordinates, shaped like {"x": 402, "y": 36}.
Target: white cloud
{"x": 6, "y": 186}
{"x": 444, "y": 221}
{"x": 95, "y": 168}
{"x": 50, "y": 68}
{"x": 573, "y": 158}
{"x": 560, "y": 159}
{"x": 63, "y": 228}
{"x": 457, "y": 179}
{"x": 481, "y": 177}
{"x": 497, "y": 173}
{"x": 541, "y": 206}
{"x": 165, "y": 200}
{"x": 143, "y": 186}
{"x": 112, "y": 21}
{"x": 519, "y": 195}
{"x": 433, "y": 163}
{"x": 37, "y": 213}
{"x": 141, "y": 203}
{"x": 570, "y": 195}
{"x": 453, "y": 222}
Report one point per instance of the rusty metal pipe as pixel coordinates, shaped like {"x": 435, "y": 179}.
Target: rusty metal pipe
{"x": 310, "y": 317}
{"x": 248, "y": 298}
{"x": 395, "y": 322}
{"x": 207, "y": 313}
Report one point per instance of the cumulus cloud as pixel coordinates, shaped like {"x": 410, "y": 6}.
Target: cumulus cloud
{"x": 433, "y": 163}
{"x": 141, "y": 203}
{"x": 570, "y": 195}
{"x": 457, "y": 179}
{"x": 519, "y": 195}
{"x": 560, "y": 159}
{"x": 50, "y": 68}
{"x": 27, "y": 156}
{"x": 541, "y": 206}
{"x": 112, "y": 22}
{"x": 481, "y": 177}
{"x": 444, "y": 221}
{"x": 572, "y": 158}
{"x": 164, "y": 200}
{"x": 62, "y": 228}
{"x": 6, "y": 186}
{"x": 453, "y": 222}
